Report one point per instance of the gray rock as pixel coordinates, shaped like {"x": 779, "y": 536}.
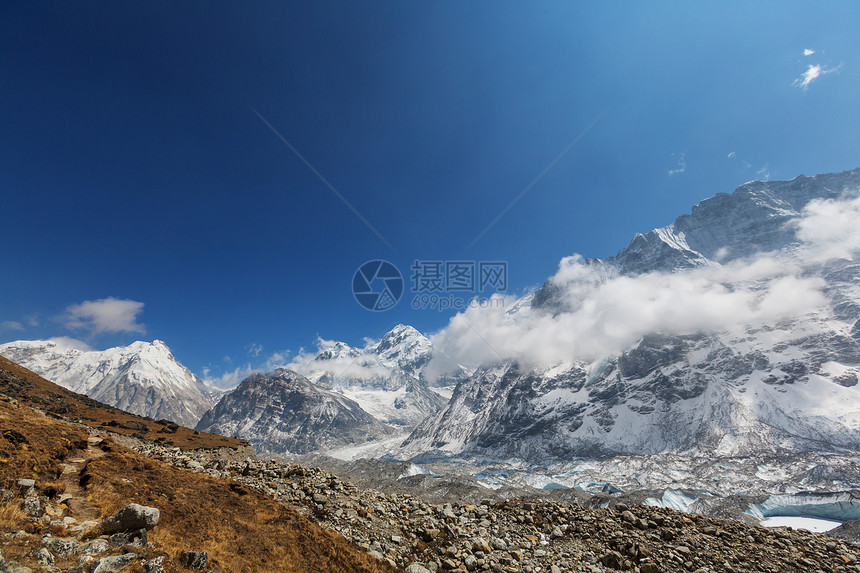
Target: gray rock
{"x": 44, "y": 557}
{"x": 137, "y": 538}
{"x": 154, "y": 565}
{"x": 470, "y": 562}
{"x": 32, "y": 506}
{"x": 195, "y": 559}
{"x": 114, "y": 563}
{"x": 95, "y": 547}
{"x": 26, "y": 483}
{"x": 130, "y": 518}
{"x": 417, "y": 568}
{"x": 63, "y": 548}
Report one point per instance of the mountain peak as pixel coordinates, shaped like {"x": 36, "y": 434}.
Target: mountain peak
{"x": 143, "y": 377}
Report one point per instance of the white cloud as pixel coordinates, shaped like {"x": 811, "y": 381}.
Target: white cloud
{"x": 812, "y": 73}
{"x": 808, "y": 52}
{"x": 605, "y": 313}
{"x": 763, "y": 173}
{"x": 277, "y": 359}
{"x": 682, "y": 165}
{"x": 830, "y": 228}
{"x": 254, "y": 349}
{"x": 362, "y": 368}
{"x": 231, "y": 378}
{"x": 11, "y": 325}
{"x": 106, "y": 315}
{"x": 732, "y": 155}
{"x": 69, "y": 343}
{"x": 809, "y": 76}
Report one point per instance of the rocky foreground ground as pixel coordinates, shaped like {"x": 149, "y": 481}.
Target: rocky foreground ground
{"x": 75, "y": 498}
{"x": 522, "y": 535}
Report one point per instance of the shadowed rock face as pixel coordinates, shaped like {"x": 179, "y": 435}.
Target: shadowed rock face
{"x": 283, "y": 412}
{"x": 786, "y": 387}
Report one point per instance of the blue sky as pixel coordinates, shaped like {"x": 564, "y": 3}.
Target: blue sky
{"x": 143, "y": 197}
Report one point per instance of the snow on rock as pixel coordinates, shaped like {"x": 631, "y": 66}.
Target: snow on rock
{"x": 282, "y": 412}
{"x": 787, "y": 386}
{"x": 384, "y": 377}
{"x": 143, "y": 378}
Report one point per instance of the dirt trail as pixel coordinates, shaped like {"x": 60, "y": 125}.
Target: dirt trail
{"x": 79, "y": 507}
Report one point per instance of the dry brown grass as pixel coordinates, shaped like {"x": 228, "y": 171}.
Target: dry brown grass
{"x": 12, "y": 517}
{"x": 243, "y": 530}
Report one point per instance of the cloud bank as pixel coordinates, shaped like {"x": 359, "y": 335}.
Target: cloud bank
{"x": 604, "y": 313}
{"x": 361, "y": 367}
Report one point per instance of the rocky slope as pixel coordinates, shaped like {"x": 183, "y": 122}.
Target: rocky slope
{"x": 282, "y": 412}
{"x": 143, "y": 377}
{"x": 786, "y": 385}
{"x": 75, "y": 501}
{"x": 520, "y": 535}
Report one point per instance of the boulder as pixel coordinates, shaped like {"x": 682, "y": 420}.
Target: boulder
{"x": 195, "y": 559}
{"x": 63, "y": 548}
{"x": 130, "y": 518}
{"x": 154, "y": 565}
{"x": 114, "y": 563}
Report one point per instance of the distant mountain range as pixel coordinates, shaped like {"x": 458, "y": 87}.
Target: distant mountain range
{"x": 780, "y": 377}
{"x": 347, "y": 397}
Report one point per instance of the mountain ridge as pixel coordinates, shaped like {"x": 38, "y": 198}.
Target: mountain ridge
{"x": 785, "y": 386}
{"x": 143, "y": 377}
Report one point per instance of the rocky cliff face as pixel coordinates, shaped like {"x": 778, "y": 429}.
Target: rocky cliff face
{"x": 283, "y": 412}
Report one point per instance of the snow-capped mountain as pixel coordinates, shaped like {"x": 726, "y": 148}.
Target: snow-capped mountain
{"x": 338, "y": 401}
{"x": 780, "y": 378}
{"x": 282, "y": 412}
{"x": 384, "y": 377}
{"x": 143, "y": 378}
